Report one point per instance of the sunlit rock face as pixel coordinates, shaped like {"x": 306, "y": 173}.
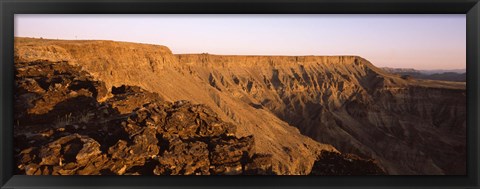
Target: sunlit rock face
{"x": 410, "y": 126}
{"x": 64, "y": 130}
{"x": 344, "y": 103}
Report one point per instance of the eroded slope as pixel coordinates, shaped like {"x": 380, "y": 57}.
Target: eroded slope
{"x": 62, "y": 129}
{"x": 155, "y": 69}
{"x": 410, "y": 126}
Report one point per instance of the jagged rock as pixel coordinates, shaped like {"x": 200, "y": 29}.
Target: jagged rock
{"x": 184, "y": 158}
{"x": 231, "y": 150}
{"x": 27, "y": 156}
{"x": 228, "y": 169}
{"x": 133, "y": 132}
{"x": 259, "y": 164}
{"x": 332, "y": 163}
{"x": 128, "y": 98}
{"x": 341, "y": 100}
{"x": 73, "y": 154}
{"x": 46, "y": 91}
{"x": 156, "y": 69}
{"x": 145, "y": 146}
{"x": 184, "y": 120}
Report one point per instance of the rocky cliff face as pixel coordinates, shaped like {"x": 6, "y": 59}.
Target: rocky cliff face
{"x": 291, "y": 152}
{"x": 408, "y": 126}
{"x": 62, "y": 129}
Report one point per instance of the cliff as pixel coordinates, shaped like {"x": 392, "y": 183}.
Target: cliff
{"x": 117, "y": 63}
{"x": 62, "y": 129}
{"x": 408, "y": 126}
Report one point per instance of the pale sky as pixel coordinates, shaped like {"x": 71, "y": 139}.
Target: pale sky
{"x": 402, "y": 41}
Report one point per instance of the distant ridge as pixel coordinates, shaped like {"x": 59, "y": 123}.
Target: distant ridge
{"x": 458, "y": 75}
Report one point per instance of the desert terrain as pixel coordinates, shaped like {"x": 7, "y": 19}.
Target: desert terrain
{"x": 98, "y": 107}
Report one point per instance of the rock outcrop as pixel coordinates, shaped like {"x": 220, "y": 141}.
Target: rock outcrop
{"x": 133, "y": 132}
{"x": 333, "y": 163}
{"x": 119, "y": 63}
{"x": 407, "y": 126}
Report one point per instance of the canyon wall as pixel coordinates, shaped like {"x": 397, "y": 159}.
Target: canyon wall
{"x": 118, "y": 63}
{"x": 409, "y": 126}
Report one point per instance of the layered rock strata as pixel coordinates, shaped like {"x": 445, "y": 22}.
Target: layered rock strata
{"x": 407, "y": 126}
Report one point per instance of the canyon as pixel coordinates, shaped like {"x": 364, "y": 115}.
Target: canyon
{"x": 294, "y": 108}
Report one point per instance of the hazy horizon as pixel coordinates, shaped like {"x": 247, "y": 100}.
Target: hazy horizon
{"x": 423, "y": 42}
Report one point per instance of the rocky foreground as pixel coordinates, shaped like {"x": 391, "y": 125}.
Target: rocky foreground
{"x": 67, "y": 123}
{"x": 344, "y": 103}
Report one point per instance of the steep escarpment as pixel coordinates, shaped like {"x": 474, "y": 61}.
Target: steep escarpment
{"x": 410, "y": 126}
{"x": 117, "y": 63}
{"x": 406, "y": 126}
{"x": 63, "y": 129}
